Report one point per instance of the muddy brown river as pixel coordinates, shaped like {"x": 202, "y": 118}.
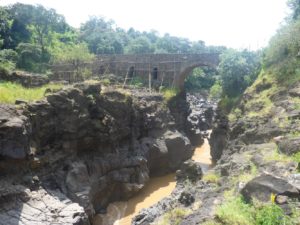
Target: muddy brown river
{"x": 121, "y": 213}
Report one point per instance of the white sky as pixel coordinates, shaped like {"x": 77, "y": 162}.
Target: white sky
{"x": 233, "y": 23}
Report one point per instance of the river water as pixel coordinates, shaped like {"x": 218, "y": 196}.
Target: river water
{"x": 121, "y": 213}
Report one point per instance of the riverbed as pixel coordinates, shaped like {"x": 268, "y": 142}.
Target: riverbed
{"x": 121, "y": 213}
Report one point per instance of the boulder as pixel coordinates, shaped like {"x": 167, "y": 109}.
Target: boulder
{"x": 157, "y": 155}
{"x": 89, "y": 88}
{"x": 262, "y": 187}
{"x": 290, "y": 145}
{"x": 190, "y": 170}
{"x": 179, "y": 148}
{"x": 186, "y": 198}
{"x": 295, "y": 92}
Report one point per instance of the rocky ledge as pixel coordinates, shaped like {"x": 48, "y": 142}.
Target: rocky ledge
{"x": 65, "y": 158}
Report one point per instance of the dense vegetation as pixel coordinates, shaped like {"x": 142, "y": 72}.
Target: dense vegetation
{"x": 32, "y": 37}
{"x": 282, "y": 55}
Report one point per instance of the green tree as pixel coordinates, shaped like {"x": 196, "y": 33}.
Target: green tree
{"x": 43, "y": 22}
{"x": 295, "y": 7}
{"x": 100, "y": 36}
{"x": 77, "y": 55}
{"x": 5, "y": 26}
{"x": 30, "y": 57}
{"x": 8, "y": 59}
{"x": 200, "y": 78}
{"x": 139, "y": 45}
{"x": 238, "y": 70}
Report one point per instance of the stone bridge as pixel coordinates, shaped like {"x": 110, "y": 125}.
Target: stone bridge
{"x": 166, "y": 69}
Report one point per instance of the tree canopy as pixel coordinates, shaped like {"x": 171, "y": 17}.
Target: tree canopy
{"x": 238, "y": 70}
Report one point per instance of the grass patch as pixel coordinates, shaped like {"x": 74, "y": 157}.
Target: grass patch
{"x": 211, "y": 178}
{"x": 296, "y": 158}
{"x": 271, "y": 214}
{"x": 277, "y": 156}
{"x": 105, "y": 82}
{"x": 244, "y": 177}
{"x": 235, "y": 211}
{"x": 174, "y": 217}
{"x": 260, "y": 103}
{"x": 137, "y": 82}
{"x": 10, "y": 92}
{"x": 234, "y": 115}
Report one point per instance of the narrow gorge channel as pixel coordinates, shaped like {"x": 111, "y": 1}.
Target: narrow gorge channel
{"x": 122, "y": 213}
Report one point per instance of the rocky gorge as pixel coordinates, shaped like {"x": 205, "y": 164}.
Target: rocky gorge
{"x": 255, "y": 156}
{"x": 65, "y": 158}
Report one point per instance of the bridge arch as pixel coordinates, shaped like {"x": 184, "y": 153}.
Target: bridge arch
{"x": 186, "y": 70}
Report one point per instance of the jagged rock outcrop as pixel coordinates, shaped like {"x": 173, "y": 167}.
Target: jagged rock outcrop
{"x": 88, "y": 147}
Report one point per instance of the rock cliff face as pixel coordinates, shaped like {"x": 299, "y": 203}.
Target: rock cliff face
{"x": 76, "y": 151}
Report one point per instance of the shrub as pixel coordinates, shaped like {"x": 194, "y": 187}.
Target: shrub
{"x": 8, "y": 59}
{"x": 271, "y": 214}
{"x": 105, "y": 82}
{"x": 235, "y": 212}
{"x": 137, "y": 82}
{"x": 215, "y": 91}
{"x": 228, "y": 103}
{"x": 211, "y": 178}
{"x": 296, "y": 158}
{"x": 169, "y": 93}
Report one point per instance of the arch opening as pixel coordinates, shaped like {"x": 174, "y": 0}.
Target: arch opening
{"x": 200, "y": 79}
{"x": 155, "y": 73}
{"x": 188, "y": 70}
{"x": 131, "y": 72}
{"x": 101, "y": 70}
